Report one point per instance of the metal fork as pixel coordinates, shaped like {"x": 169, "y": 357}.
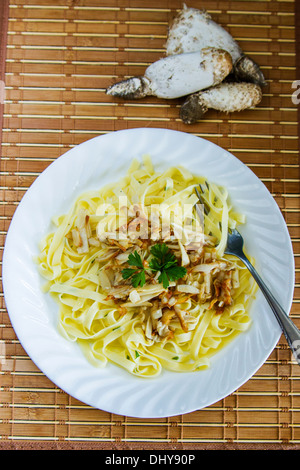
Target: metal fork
{"x": 234, "y": 247}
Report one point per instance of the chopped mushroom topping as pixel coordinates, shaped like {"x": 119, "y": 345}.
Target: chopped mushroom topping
{"x": 207, "y": 278}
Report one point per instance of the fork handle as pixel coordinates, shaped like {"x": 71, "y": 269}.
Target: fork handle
{"x": 289, "y": 329}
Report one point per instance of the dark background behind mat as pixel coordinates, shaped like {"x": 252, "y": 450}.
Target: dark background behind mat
{"x": 57, "y": 58}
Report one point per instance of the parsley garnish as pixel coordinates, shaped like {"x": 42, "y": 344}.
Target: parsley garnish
{"x": 166, "y": 262}
{"x": 137, "y": 275}
{"x": 163, "y": 261}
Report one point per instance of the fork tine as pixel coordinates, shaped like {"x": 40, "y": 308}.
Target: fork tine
{"x": 199, "y": 195}
{"x": 198, "y": 208}
{"x": 199, "y": 212}
{"x": 206, "y": 209}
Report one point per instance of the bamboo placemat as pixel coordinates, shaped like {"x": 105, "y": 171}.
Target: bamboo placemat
{"x": 60, "y": 56}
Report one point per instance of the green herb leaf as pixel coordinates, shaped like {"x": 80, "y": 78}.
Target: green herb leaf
{"x": 138, "y": 279}
{"x": 134, "y": 259}
{"x": 137, "y": 275}
{"x": 128, "y": 272}
{"x": 165, "y": 262}
{"x": 163, "y": 255}
{"x": 163, "y": 278}
{"x": 176, "y": 272}
{"x": 155, "y": 265}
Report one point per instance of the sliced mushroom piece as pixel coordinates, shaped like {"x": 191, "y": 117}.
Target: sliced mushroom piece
{"x": 121, "y": 292}
{"x": 167, "y": 316}
{"x": 226, "y": 291}
{"x": 104, "y": 280}
{"x": 134, "y": 296}
{"x": 213, "y": 266}
{"x": 107, "y": 256}
{"x": 82, "y": 225}
{"x": 185, "y": 260}
{"x": 188, "y": 289}
{"x": 162, "y": 330}
{"x": 94, "y": 242}
{"x": 181, "y": 314}
{"x": 76, "y": 237}
{"x": 149, "y": 328}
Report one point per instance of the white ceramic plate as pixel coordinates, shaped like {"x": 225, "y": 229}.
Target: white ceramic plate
{"x": 33, "y": 314}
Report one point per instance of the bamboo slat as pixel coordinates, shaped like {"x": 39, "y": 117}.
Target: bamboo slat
{"x": 60, "y": 57}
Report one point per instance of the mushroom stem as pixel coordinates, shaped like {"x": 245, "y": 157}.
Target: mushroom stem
{"x": 226, "y": 97}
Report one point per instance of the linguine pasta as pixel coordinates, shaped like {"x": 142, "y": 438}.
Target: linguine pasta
{"x": 140, "y": 276}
